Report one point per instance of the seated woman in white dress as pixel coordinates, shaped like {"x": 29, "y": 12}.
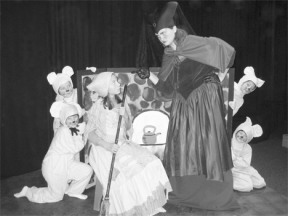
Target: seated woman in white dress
{"x": 139, "y": 184}
{"x": 245, "y": 177}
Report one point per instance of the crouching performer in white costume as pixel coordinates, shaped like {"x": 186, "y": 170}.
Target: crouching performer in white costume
{"x": 139, "y": 183}
{"x": 63, "y": 174}
{"x": 245, "y": 177}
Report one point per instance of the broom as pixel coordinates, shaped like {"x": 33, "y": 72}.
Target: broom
{"x": 104, "y": 208}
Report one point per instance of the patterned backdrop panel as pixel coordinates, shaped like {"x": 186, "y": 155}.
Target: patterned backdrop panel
{"x": 150, "y": 110}
{"x": 143, "y": 97}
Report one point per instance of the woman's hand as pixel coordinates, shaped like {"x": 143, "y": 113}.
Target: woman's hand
{"x": 121, "y": 111}
{"x": 143, "y": 73}
{"x": 129, "y": 133}
{"x": 114, "y": 148}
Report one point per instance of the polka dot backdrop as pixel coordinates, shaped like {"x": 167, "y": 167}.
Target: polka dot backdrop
{"x": 149, "y": 108}
{"x": 141, "y": 95}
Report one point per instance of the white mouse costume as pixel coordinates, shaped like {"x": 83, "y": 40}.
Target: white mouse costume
{"x": 56, "y": 80}
{"x": 245, "y": 177}
{"x": 238, "y": 94}
{"x": 63, "y": 174}
{"x": 139, "y": 179}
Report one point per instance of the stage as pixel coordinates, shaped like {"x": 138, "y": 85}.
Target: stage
{"x": 259, "y": 202}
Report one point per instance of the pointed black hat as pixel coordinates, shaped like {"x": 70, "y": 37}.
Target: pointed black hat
{"x": 165, "y": 19}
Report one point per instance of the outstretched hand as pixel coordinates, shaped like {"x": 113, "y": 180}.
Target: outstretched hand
{"x": 143, "y": 73}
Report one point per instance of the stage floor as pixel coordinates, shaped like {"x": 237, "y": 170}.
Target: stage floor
{"x": 264, "y": 202}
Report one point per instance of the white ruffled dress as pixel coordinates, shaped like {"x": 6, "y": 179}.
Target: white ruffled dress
{"x": 139, "y": 185}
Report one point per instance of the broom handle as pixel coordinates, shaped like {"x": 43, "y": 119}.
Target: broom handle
{"x": 116, "y": 142}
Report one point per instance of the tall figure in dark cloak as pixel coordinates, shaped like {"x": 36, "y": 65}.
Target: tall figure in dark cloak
{"x": 197, "y": 156}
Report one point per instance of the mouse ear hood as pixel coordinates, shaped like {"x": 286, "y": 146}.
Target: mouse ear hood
{"x": 250, "y": 130}
{"x": 249, "y": 74}
{"x": 63, "y": 110}
{"x": 56, "y": 80}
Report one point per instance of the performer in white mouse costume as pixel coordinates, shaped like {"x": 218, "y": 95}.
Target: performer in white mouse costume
{"x": 63, "y": 174}
{"x": 63, "y": 87}
{"x": 246, "y": 85}
{"x": 245, "y": 177}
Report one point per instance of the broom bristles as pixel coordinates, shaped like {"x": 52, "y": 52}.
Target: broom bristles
{"x": 104, "y": 209}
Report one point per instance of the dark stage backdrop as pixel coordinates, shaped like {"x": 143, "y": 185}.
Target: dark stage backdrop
{"x": 38, "y": 37}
